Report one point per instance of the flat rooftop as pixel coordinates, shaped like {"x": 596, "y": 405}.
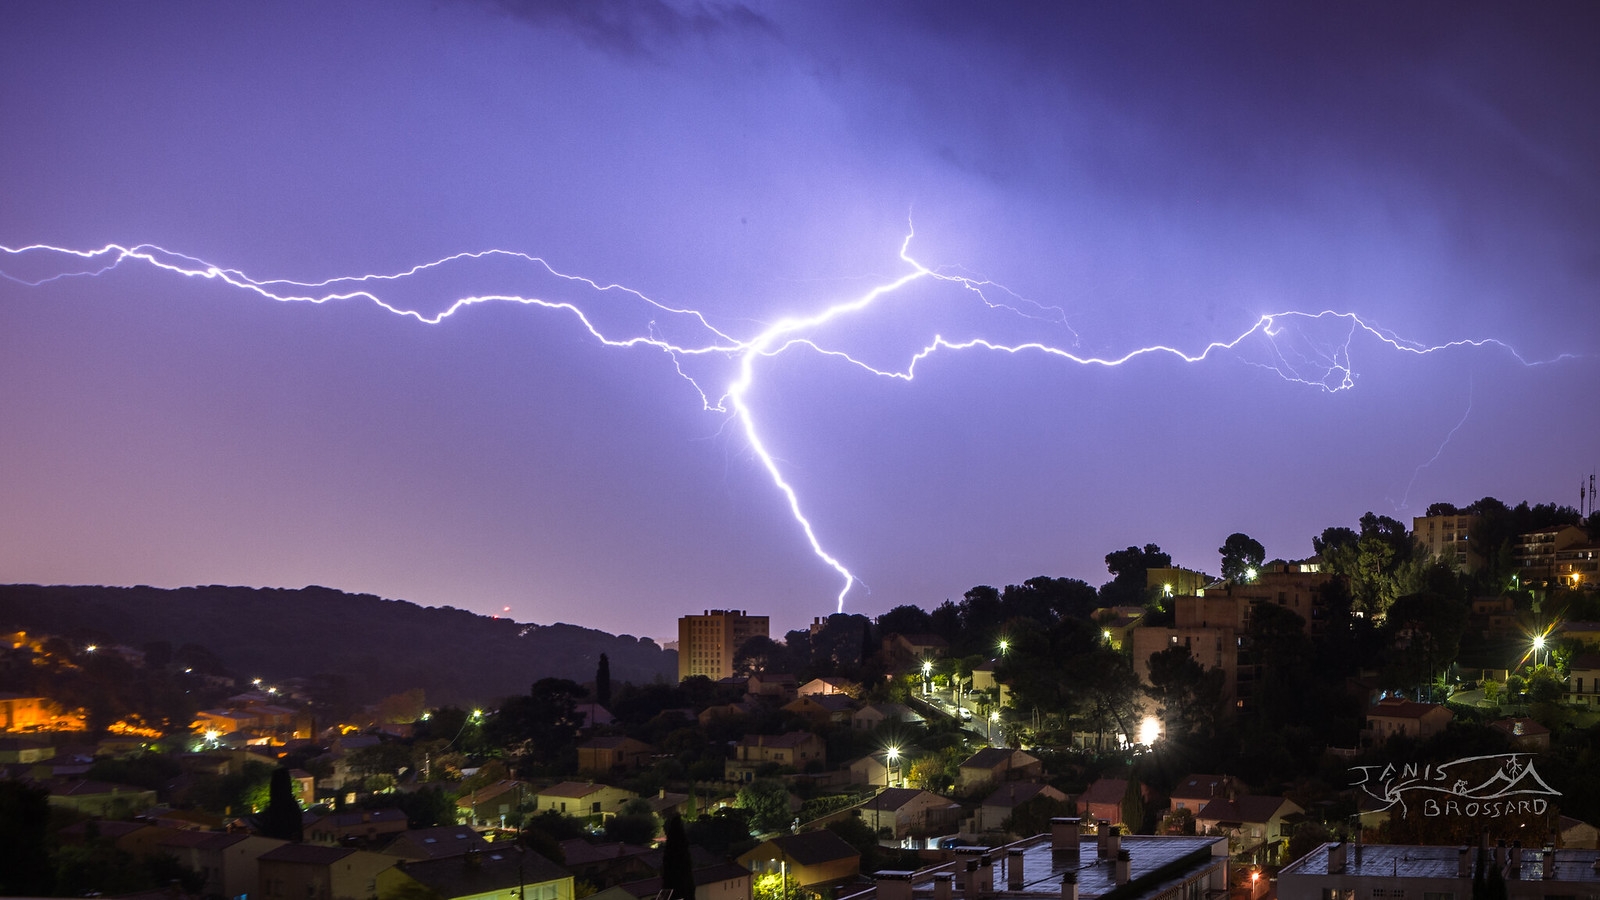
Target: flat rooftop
{"x": 1043, "y": 868}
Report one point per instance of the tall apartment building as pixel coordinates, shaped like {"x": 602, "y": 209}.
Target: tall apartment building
{"x": 1446, "y": 538}
{"x": 707, "y": 642}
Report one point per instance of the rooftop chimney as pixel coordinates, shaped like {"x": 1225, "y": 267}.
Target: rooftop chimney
{"x": 1103, "y": 836}
{"x": 1500, "y": 855}
{"x": 1064, "y": 834}
{"x": 941, "y": 885}
{"x": 893, "y": 885}
{"x": 1463, "y": 862}
{"x": 1014, "y": 870}
{"x": 1122, "y": 867}
{"x": 1547, "y": 868}
{"x": 1069, "y": 884}
{"x": 1336, "y": 858}
{"x": 1516, "y": 858}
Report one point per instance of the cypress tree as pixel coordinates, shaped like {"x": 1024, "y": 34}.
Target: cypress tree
{"x": 677, "y": 866}
{"x": 602, "y": 682}
{"x": 281, "y": 819}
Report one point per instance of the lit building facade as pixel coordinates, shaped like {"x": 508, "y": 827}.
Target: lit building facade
{"x": 707, "y": 642}
{"x": 1446, "y": 538}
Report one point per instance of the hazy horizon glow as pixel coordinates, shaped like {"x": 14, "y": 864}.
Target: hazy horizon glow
{"x": 1369, "y": 251}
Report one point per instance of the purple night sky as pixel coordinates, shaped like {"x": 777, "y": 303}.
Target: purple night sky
{"x": 1152, "y": 174}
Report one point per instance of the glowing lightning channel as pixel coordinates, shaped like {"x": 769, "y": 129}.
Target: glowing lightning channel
{"x": 1293, "y": 354}
{"x": 1406, "y": 497}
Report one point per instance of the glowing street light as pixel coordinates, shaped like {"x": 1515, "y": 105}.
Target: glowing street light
{"x": 1004, "y": 646}
{"x": 1538, "y": 644}
{"x": 927, "y": 676}
{"x": 893, "y": 755}
{"x": 1250, "y": 574}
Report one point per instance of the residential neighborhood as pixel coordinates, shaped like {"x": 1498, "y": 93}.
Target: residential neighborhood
{"x": 1257, "y": 715}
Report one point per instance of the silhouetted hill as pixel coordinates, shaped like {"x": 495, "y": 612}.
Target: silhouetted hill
{"x": 377, "y": 646}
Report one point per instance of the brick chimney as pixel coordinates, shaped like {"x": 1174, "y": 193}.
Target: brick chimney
{"x": 1064, "y": 834}
{"x": 1014, "y": 870}
{"x": 893, "y": 885}
{"x": 1122, "y": 867}
{"x": 1069, "y": 884}
{"x": 942, "y": 885}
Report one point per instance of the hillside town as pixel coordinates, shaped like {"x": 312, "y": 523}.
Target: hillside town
{"x": 1408, "y": 708}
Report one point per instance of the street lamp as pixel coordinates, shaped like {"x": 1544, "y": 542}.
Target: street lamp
{"x": 1004, "y": 646}
{"x": 888, "y": 771}
{"x": 994, "y": 717}
{"x": 1538, "y": 644}
{"x": 927, "y": 676}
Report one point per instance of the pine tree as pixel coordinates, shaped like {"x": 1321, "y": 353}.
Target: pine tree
{"x": 281, "y": 819}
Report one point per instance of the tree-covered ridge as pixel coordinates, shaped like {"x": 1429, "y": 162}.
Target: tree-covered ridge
{"x": 372, "y": 647}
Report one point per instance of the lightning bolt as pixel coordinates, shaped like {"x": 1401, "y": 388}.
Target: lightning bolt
{"x": 1404, "y": 498}
{"x": 1311, "y": 349}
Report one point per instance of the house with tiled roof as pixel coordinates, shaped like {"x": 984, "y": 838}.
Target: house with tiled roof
{"x": 812, "y": 858}
{"x": 1583, "y": 680}
{"x": 1523, "y": 733}
{"x": 613, "y": 753}
{"x": 996, "y": 764}
{"x": 229, "y": 862}
{"x": 582, "y": 798}
{"x": 439, "y": 842}
{"x": 1196, "y": 790}
{"x": 295, "y": 871}
{"x": 1101, "y": 801}
{"x": 822, "y": 710}
{"x": 1395, "y": 715}
{"x": 101, "y": 798}
{"x": 829, "y": 686}
{"x": 606, "y": 864}
{"x": 999, "y": 806}
{"x": 485, "y": 805}
{"x": 716, "y": 880}
{"x": 497, "y": 871}
{"x": 1253, "y": 820}
{"x": 902, "y": 812}
{"x": 796, "y": 749}
{"x": 370, "y": 827}
{"x": 874, "y": 715}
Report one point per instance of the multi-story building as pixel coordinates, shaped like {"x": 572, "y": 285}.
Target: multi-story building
{"x": 1356, "y": 872}
{"x": 1535, "y": 552}
{"x": 1446, "y": 538}
{"x": 1578, "y": 566}
{"x": 707, "y": 642}
{"x": 1213, "y": 624}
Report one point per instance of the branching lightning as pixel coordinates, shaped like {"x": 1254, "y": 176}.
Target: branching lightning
{"x": 1294, "y": 345}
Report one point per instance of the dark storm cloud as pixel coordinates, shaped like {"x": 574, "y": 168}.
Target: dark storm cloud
{"x": 635, "y": 27}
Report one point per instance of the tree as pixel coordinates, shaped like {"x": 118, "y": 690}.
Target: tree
{"x": 24, "y": 818}
{"x": 1130, "y": 568}
{"x": 1033, "y": 816}
{"x": 1241, "y": 556}
{"x": 905, "y": 620}
{"x": 767, "y": 802}
{"x": 1189, "y": 695}
{"x": 677, "y": 865}
{"x": 635, "y": 823}
{"x": 406, "y": 706}
{"x": 281, "y": 819}
{"x": 1133, "y": 811}
{"x": 602, "y": 681}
